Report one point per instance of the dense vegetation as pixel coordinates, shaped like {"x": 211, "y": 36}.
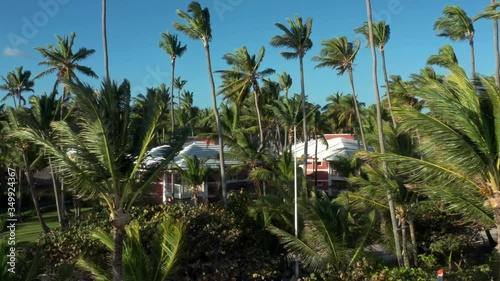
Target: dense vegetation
{"x": 422, "y": 190}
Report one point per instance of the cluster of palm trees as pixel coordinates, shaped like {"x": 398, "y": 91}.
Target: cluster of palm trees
{"x": 448, "y": 152}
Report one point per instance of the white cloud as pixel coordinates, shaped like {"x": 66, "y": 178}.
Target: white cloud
{"x": 11, "y": 52}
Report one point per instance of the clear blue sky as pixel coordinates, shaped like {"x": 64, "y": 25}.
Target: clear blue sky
{"x": 134, "y": 29}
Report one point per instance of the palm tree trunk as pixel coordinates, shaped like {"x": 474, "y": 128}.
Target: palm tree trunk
{"x": 304, "y": 123}
{"x": 413, "y": 238}
{"x": 473, "y": 57}
{"x": 256, "y": 92}
{"x": 387, "y": 89}
{"x": 219, "y": 126}
{"x": 14, "y": 99}
{"x": 105, "y": 41}
{"x": 29, "y": 177}
{"x": 380, "y": 129}
{"x": 404, "y": 244}
{"x": 118, "y": 235}
{"x": 286, "y": 138}
{"x": 497, "y": 49}
{"x": 358, "y": 115}
{"x": 172, "y": 95}
{"x": 57, "y": 194}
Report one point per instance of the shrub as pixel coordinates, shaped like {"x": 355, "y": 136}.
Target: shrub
{"x": 218, "y": 245}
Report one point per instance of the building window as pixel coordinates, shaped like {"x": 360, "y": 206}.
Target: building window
{"x": 319, "y": 163}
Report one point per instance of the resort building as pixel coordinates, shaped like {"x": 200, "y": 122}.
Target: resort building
{"x": 164, "y": 191}
{"x": 324, "y": 154}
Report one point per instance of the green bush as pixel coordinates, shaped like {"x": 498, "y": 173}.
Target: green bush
{"x": 402, "y": 274}
{"x": 219, "y": 244}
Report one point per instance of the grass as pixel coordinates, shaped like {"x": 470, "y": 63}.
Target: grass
{"x": 30, "y": 230}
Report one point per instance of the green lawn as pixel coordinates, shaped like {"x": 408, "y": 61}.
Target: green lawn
{"x": 30, "y": 230}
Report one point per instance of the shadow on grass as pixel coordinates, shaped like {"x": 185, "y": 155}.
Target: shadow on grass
{"x": 30, "y": 230}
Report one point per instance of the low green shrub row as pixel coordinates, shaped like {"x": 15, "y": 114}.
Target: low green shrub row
{"x": 218, "y": 245}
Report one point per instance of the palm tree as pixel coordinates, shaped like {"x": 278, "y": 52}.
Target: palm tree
{"x": 456, "y": 25}
{"x": 339, "y": 54}
{"x": 376, "y": 182}
{"x": 380, "y": 124}
{"x": 138, "y": 265}
{"x": 198, "y": 27}
{"x": 446, "y": 57}
{"x": 381, "y": 35}
{"x": 285, "y": 81}
{"x": 95, "y": 161}
{"x": 402, "y": 92}
{"x": 42, "y": 113}
{"x": 297, "y": 40}
{"x": 174, "y": 48}
{"x": 490, "y": 12}
{"x": 243, "y": 76}
{"x": 341, "y": 112}
{"x": 179, "y": 85}
{"x": 16, "y": 83}
{"x": 18, "y": 121}
{"x": 459, "y": 142}
{"x": 105, "y": 40}
{"x": 65, "y": 63}
{"x": 279, "y": 174}
{"x": 187, "y": 111}
{"x": 250, "y": 153}
{"x": 194, "y": 173}
{"x": 328, "y": 239}
{"x": 287, "y": 112}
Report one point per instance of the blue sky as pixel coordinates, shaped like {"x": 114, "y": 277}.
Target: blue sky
{"x": 134, "y": 29}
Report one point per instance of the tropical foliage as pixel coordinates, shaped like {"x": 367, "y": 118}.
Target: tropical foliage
{"x": 422, "y": 185}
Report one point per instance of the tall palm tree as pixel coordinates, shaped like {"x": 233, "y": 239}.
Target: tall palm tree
{"x": 341, "y": 112}
{"x": 18, "y": 121}
{"x": 376, "y": 181}
{"x": 96, "y": 162}
{"x": 187, "y": 111}
{"x": 297, "y": 40}
{"x": 198, "y": 27}
{"x": 381, "y": 35}
{"x": 105, "y": 39}
{"x": 338, "y": 53}
{"x": 42, "y": 113}
{"x": 456, "y": 25}
{"x": 65, "y": 63}
{"x": 459, "y": 142}
{"x": 287, "y": 112}
{"x": 174, "y": 48}
{"x": 285, "y": 81}
{"x": 179, "y": 85}
{"x": 490, "y": 12}
{"x": 380, "y": 125}
{"x": 17, "y": 82}
{"x": 244, "y": 75}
